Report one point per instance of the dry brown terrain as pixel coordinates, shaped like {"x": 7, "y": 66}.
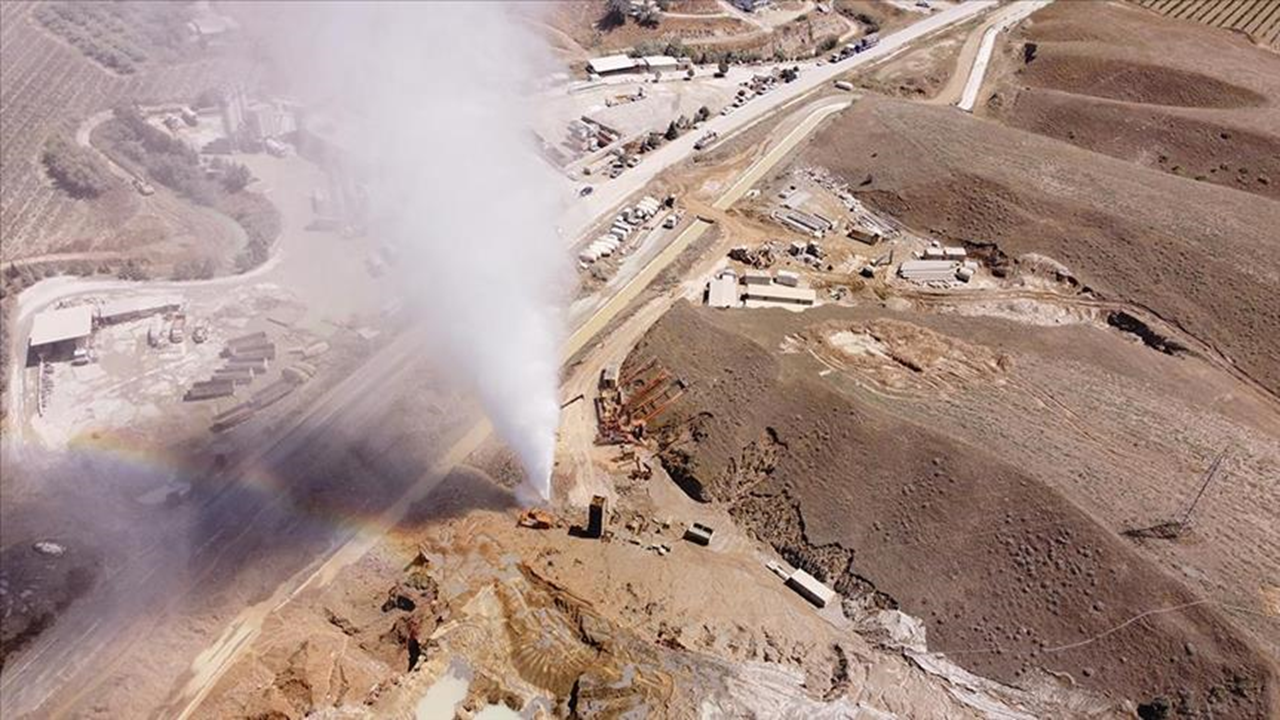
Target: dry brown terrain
{"x": 1008, "y": 574}
{"x": 1201, "y": 257}
{"x": 1103, "y": 78}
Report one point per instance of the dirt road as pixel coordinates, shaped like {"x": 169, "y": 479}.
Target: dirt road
{"x": 1008, "y": 17}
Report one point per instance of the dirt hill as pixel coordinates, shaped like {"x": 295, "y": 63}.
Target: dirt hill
{"x": 1201, "y": 257}
{"x": 1007, "y": 574}
{"x": 1189, "y": 100}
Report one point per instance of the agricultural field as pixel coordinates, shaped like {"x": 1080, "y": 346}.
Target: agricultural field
{"x": 1260, "y": 19}
{"x": 48, "y": 88}
{"x": 119, "y": 36}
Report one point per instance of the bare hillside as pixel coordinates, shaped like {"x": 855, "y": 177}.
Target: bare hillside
{"x": 1184, "y": 99}
{"x": 1201, "y": 257}
{"x": 1008, "y": 575}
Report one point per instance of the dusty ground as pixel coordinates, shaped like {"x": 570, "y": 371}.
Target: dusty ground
{"x": 545, "y": 619}
{"x": 1104, "y": 80}
{"x": 921, "y": 72}
{"x": 1027, "y": 580}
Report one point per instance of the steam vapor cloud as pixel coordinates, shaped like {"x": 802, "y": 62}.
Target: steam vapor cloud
{"x": 439, "y": 91}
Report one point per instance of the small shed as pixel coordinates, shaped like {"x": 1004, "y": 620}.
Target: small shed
{"x": 810, "y": 588}
{"x": 699, "y": 534}
{"x": 722, "y": 292}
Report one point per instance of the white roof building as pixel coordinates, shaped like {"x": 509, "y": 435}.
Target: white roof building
{"x": 927, "y": 270}
{"x": 53, "y": 326}
{"x": 661, "y": 62}
{"x": 809, "y": 587}
{"x": 611, "y": 64}
{"x": 722, "y": 292}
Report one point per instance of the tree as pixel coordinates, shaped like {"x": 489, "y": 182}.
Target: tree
{"x": 74, "y": 169}
{"x": 722, "y": 68}
{"x": 236, "y": 178}
{"x": 704, "y": 112}
{"x": 615, "y": 14}
{"x": 688, "y": 74}
{"x": 133, "y": 270}
{"x": 673, "y": 132}
{"x": 649, "y": 17}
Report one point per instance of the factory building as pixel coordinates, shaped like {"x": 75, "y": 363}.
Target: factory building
{"x": 61, "y": 334}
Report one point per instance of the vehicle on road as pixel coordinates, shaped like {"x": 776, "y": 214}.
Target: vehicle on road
{"x": 585, "y": 190}
{"x": 143, "y": 187}
{"x": 177, "y": 331}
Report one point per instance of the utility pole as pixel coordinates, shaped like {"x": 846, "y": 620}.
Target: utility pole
{"x": 1209, "y": 475}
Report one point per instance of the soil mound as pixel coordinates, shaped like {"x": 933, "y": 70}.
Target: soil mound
{"x": 1136, "y": 82}
{"x": 1007, "y": 574}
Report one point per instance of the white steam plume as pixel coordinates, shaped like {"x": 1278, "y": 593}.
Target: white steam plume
{"x": 440, "y": 93}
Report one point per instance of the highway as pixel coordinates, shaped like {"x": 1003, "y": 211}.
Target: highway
{"x": 585, "y": 212}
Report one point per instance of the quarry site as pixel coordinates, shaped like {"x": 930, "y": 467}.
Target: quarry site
{"x": 640, "y": 359}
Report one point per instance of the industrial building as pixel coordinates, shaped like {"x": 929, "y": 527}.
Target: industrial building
{"x": 620, "y": 64}
{"x": 779, "y": 295}
{"x": 61, "y": 334}
{"x": 612, "y": 65}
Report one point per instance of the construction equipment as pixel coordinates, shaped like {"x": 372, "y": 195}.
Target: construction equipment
{"x": 536, "y": 519}
{"x": 624, "y": 410}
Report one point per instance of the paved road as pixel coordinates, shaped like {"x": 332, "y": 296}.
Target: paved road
{"x": 608, "y": 196}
